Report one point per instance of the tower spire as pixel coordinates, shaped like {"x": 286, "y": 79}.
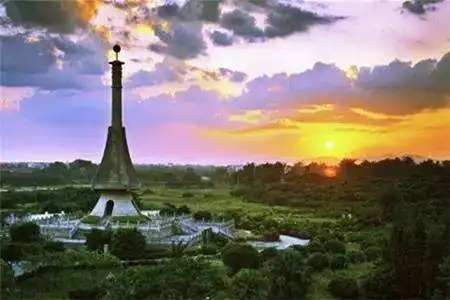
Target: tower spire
{"x": 116, "y": 87}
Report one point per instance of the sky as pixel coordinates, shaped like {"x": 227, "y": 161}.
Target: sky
{"x": 226, "y": 81}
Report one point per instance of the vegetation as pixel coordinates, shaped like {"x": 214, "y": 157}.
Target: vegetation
{"x": 239, "y": 256}
{"x": 128, "y": 244}
{"x": 97, "y": 238}
{"x": 379, "y": 230}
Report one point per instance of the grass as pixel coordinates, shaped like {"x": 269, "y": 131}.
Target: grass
{"x": 218, "y": 200}
{"x": 93, "y": 220}
{"x": 131, "y": 219}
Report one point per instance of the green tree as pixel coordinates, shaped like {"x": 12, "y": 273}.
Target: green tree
{"x": 288, "y": 274}
{"x": 128, "y": 244}
{"x": 239, "y": 256}
{"x": 344, "y": 288}
{"x": 249, "y": 284}
{"x": 96, "y": 238}
{"x": 319, "y": 261}
{"x": 25, "y": 233}
{"x": 6, "y": 276}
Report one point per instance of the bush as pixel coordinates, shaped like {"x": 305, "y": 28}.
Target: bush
{"x": 319, "y": 261}
{"x": 272, "y": 236}
{"x": 356, "y": 257}
{"x": 314, "y": 247}
{"x": 268, "y": 253}
{"x": 288, "y": 274}
{"x": 344, "y": 288}
{"x": 240, "y": 256}
{"x": 187, "y": 195}
{"x": 96, "y": 238}
{"x": 25, "y": 233}
{"x": 202, "y": 215}
{"x": 372, "y": 253}
{"x": 54, "y": 246}
{"x": 6, "y": 275}
{"x": 249, "y": 284}
{"x": 335, "y": 247}
{"x": 209, "y": 249}
{"x": 11, "y": 252}
{"x": 128, "y": 244}
{"x": 92, "y": 293}
{"x": 183, "y": 210}
{"x": 338, "y": 262}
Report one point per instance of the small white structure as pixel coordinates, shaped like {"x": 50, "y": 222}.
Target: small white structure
{"x": 115, "y": 204}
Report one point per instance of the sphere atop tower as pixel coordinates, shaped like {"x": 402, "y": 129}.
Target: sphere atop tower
{"x": 116, "y": 48}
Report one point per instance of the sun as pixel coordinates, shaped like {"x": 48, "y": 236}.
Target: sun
{"x": 329, "y": 145}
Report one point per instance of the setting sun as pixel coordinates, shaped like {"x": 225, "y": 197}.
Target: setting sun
{"x": 329, "y": 145}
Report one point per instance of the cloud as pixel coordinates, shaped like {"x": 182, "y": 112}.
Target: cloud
{"x": 419, "y": 7}
{"x": 241, "y": 23}
{"x": 221, "y": 39}
{"x": 48, "y": 62}
{"x": 183, "y": 41}
{"x": 284, "y": 20}
{"x": 55, "y": 15}
{"x": 191, "y": 10}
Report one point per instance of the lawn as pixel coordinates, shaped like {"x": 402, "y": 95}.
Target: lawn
{"x": 219, "y": 200}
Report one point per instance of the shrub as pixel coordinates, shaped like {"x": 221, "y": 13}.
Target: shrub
{"x": 319, "y": 261}
{"x": 249, "y": 284}
{"x": 240, "y": 256}
{"x": 54, "y": 246}
{"x": 288, "y": 274}
{"x": 128, "y": 244}
{"x": 344, "y": 288}
{"x": 187, "y": 195}
{"x": 271, "y": 236}
{"x": 314, "y": 247}
{"x": 183, "y": 210}
{"x": 92, "y": 293}
{"x": 268, "y": 253}
{"x": 209, "y": 249}
{"x": 338, "y": 262}
{"x": 6, "y": 275}
{"x": 372, "y": 253}
{"x": 202, "y": 215}
{"x": 96, "y": 238}
{"x": 25, "y": 233}
{"x": 335, "y": 247}
{"x": 176, "y": 279}
{"x": 11, "y": 252}
{"x": 356, "y": 257}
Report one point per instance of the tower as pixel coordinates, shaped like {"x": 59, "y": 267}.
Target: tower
{"x": 116, "y": 177}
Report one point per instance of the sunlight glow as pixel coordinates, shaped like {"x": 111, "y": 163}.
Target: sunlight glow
{"x": 329, "y": 145}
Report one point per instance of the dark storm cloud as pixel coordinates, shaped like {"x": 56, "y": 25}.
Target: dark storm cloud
{"x": 192, "y": 10}
{"x": 241, "y": 23}
{"x": 221, "y": 39}
{"x": 419, "y": 7}
{"x": 35, "y": 63}
{"x": 284, "y": 20}
{"x": 55, "y": 15}
{"x": 183, "y": 41}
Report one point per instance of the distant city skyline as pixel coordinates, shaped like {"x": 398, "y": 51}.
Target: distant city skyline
{"x": 226, "y": 82}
